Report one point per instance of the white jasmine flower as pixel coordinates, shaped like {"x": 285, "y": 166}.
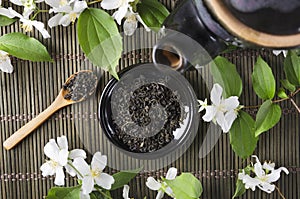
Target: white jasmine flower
{"x": 29, "y": 5}
{"x": 59, "y": 158}
{"x": 29, "y": 24}
{"x": 91, "y": 175}
{"x": 277, "y": 52}
{"x": 131, "y": 22}
{"x": 67, "y": 13}
{"x": 121, "y": 5}
{"x": 5, "y": 63}
{"x": 58, "y": 154}
{"x": 162, "y": 187}
{"x": 126, "y": 192}
{"x": 222, "y": 111}
{"x": 202, "y": 104}
{"x": 265, "y": 175}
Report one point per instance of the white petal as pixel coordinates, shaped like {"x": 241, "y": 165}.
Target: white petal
{"x": 62, "y": 142}
{"x": 63, "y": 157}
{"x": 17, "y": 2}
{"x": 258, "y": 170}
{"x": 53, "y": 3}
{"x": 267, "y": 187}
{"x": 51, "y": 150}
{"x": 65, "y": 20}
{"x": 84, "y": 196}
{"x": 231, "y": 103}
{"x": 275, "y": 174}
{"x": 129, "y": 27}
{"x": 210, "y": 113}
{"x": 111, "y": 4}
{"x": 77, "y": 153}
{"x": 59, "y": 177}
{"x": 62, "y": 9}
{"x": 160, "y": 194}
{"x": 171, "y": 174}
{"x": 169, "y": 191}
{"x": 105, "y": 181}
{"x": 81, "y": 165}
{"x": 6, "y": 66}
{"x": 216, "y": 94}
{"x": 153, "y": 184}
{"x": 269, "y": 166}
{"x": 250, "y": 182}
{"x": 70, "y": 170}
{"x": 14, "y": 13}
{"x": 87, "y": 185}
{"x": 6, "y": 12}
{"x": 126, "y": 192}
{"x": 120, "y": 14}
{"x": 99, "y": 161}
{"x": 79, "y": 6}
{"x": 220, "y": 117}
{"x": 54, "y": 21}
{"x": 41, "y": 28}
{"x": 47, "y": 169}
{"x": 229, "y": 118}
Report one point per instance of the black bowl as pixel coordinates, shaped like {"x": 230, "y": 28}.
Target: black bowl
{"x": 115, "y": 100}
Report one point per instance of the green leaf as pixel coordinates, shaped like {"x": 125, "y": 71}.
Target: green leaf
{"x": 24, "y": 47}
{"x": 240, "y": 189}
{"x": 292, "y": 68}
{"x": 267, "y": 116}
{"x": 100, "y": 39}
{"x": 98, "y": 195}
{"x": 287, "y": 85}
{"x": 225, "y": 74}
{"x": 242, "y": 135}
{"x": 5, "y": 21}
{"x": 153, "y": 13}
{"x": 281, "y": 93}
{"x": 185, "y": 186}
{"x": 263, "y": 80}
{"x": 64, "y": 193}
{"x": 123, "y": 177}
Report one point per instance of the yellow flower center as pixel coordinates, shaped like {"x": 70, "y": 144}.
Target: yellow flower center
{"x": 53, "y": 163}
{"x": 27, "y": 27}
{"x": 264, "y": 178}
{"x": 95, "y": 173}
{"x": 73, "y": 16}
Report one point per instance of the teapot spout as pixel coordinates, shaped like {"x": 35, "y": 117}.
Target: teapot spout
{"x": 185, "y": 40}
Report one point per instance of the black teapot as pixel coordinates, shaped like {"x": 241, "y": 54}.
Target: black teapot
{"x": 198, "y": 30}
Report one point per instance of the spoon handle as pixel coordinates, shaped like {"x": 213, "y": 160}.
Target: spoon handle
{"x": 34, "y": 123}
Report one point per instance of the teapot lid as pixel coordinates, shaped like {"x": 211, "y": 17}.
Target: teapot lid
{"x": 268, "y": 23}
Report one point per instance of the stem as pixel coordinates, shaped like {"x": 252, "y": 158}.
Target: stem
{"x": 93, "y": 2}
{"x": 281, "y": 195}
{"x": 294, "y": 103}
{"x": 71, "y": 165}
{"x": 281, "y": 100}
{"x": 35, "y": 14}
{"x": 105, "y": 195}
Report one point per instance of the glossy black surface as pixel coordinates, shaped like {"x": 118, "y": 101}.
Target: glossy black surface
{"x": 186, "y": 20}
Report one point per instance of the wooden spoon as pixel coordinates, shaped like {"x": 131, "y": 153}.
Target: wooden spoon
{"x": 72, "y": 92}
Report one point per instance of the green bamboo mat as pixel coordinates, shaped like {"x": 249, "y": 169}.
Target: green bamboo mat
{"x": 33, "y": 86}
